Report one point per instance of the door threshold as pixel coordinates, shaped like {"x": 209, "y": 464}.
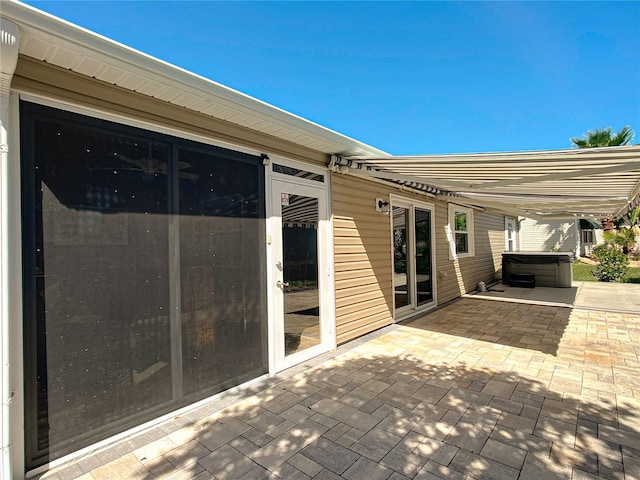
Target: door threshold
{"x": 414, "y": 314}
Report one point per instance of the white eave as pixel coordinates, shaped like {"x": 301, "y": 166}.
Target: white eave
{"x": 596, "y": 182}
{"x": 58, "y": 42}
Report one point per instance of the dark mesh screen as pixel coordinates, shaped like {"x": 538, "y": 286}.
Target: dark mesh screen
{"x": 105, "y": 347}
{"x": 221, "y": 270}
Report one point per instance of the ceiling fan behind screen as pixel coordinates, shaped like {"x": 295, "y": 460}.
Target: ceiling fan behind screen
{"x": 150, "y": 159}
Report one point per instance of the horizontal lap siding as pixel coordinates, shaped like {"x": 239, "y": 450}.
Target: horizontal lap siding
{"x": 491, "y": 244}
{"x": 447, "y": 283}
{"x": 462, "y": 276}
{"x": 362, "y": 249}
{"x": 362, "y": 244}
{"x": 543, "y": 235}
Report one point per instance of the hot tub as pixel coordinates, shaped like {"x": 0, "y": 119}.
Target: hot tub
{"x": 550, "y": 269}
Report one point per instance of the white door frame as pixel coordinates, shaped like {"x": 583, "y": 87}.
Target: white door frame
{"x": 411, "y": 205}
{"x": 514, "y": 223}
{"x": 310, "y": 188}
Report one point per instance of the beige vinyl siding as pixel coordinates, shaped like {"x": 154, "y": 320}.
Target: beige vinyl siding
{"x": 462, "y": 275}
{"x": 37, "y": 77}
{"x": 543, "y": 235}
{"x": 447, "y": 286}
{"x": 362, "y": 256}
{"x": 363, "y": 268}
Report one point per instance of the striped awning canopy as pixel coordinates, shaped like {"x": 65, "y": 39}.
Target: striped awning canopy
{"x": 597, "y": 182}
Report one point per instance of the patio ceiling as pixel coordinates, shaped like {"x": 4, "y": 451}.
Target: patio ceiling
{"x": 598, "y": 182}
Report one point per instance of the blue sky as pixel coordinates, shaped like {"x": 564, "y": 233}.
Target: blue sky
{"x": 406, "y": 77}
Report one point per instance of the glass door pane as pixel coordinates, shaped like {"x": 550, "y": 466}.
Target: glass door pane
{"x": 300, "y": 220}
{"x": 412, "y": 257}
{"x": 400, "y": 258}
{"x": 424, "y": 284}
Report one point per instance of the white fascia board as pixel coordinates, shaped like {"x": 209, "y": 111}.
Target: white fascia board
{"x": 41, "y": 25}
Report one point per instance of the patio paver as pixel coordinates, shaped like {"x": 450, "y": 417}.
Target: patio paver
{"x": 476, "y": 389}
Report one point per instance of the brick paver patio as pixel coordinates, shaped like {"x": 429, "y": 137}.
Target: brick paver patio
{"x": 477, "y": 389}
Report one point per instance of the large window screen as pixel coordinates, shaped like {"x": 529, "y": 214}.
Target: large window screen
{"x": 128, "y": 312}
{"x": 221, "y": 270}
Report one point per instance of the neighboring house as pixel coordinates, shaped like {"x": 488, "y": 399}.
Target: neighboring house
{"x": 579, "y": 236}
{"x": 548, "y": 235}
{"x": 591, "y": 234}
{"x": 166, "y": 238}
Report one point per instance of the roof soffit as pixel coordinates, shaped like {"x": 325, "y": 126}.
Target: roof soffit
{"x": 47, "y": 38}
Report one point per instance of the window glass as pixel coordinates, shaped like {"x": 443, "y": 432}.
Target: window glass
{"x": 424, "y": 280}
{"x": 460, "y": 231}
{"x": 300, "y": 221}
{"x": 296, "y": 172}
{"x": 461, "y": 221}
{"x": 587, "y": 236}
{"x": 462, "y": 243}
{"x": 400, "y": 257}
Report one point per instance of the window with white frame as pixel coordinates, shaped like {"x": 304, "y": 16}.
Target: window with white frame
{"x": 461, "y": 231}
{"x": 587, "y": 237}
{"x": 510, "y": 234}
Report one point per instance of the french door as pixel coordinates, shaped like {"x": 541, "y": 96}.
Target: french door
{"x": 413, "y": 257}
{"x": 299, "y": 279}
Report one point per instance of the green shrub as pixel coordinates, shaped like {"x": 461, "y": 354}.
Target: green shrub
{"x": 612, "y": 264}
{"x": 595, "y": 251}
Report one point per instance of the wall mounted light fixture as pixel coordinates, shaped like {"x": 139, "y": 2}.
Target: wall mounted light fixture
{"x": 382, "y": 206}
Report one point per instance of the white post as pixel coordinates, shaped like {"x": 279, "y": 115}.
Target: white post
{"x": 576, "y": 232}
{"x": 8, "y": 62}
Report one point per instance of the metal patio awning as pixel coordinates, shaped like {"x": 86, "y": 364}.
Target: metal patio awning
{"x": 597, "y": 182}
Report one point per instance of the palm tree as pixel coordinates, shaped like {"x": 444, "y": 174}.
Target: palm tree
{"x": 631, "y": 218}
{"x": 604, "y": 138}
